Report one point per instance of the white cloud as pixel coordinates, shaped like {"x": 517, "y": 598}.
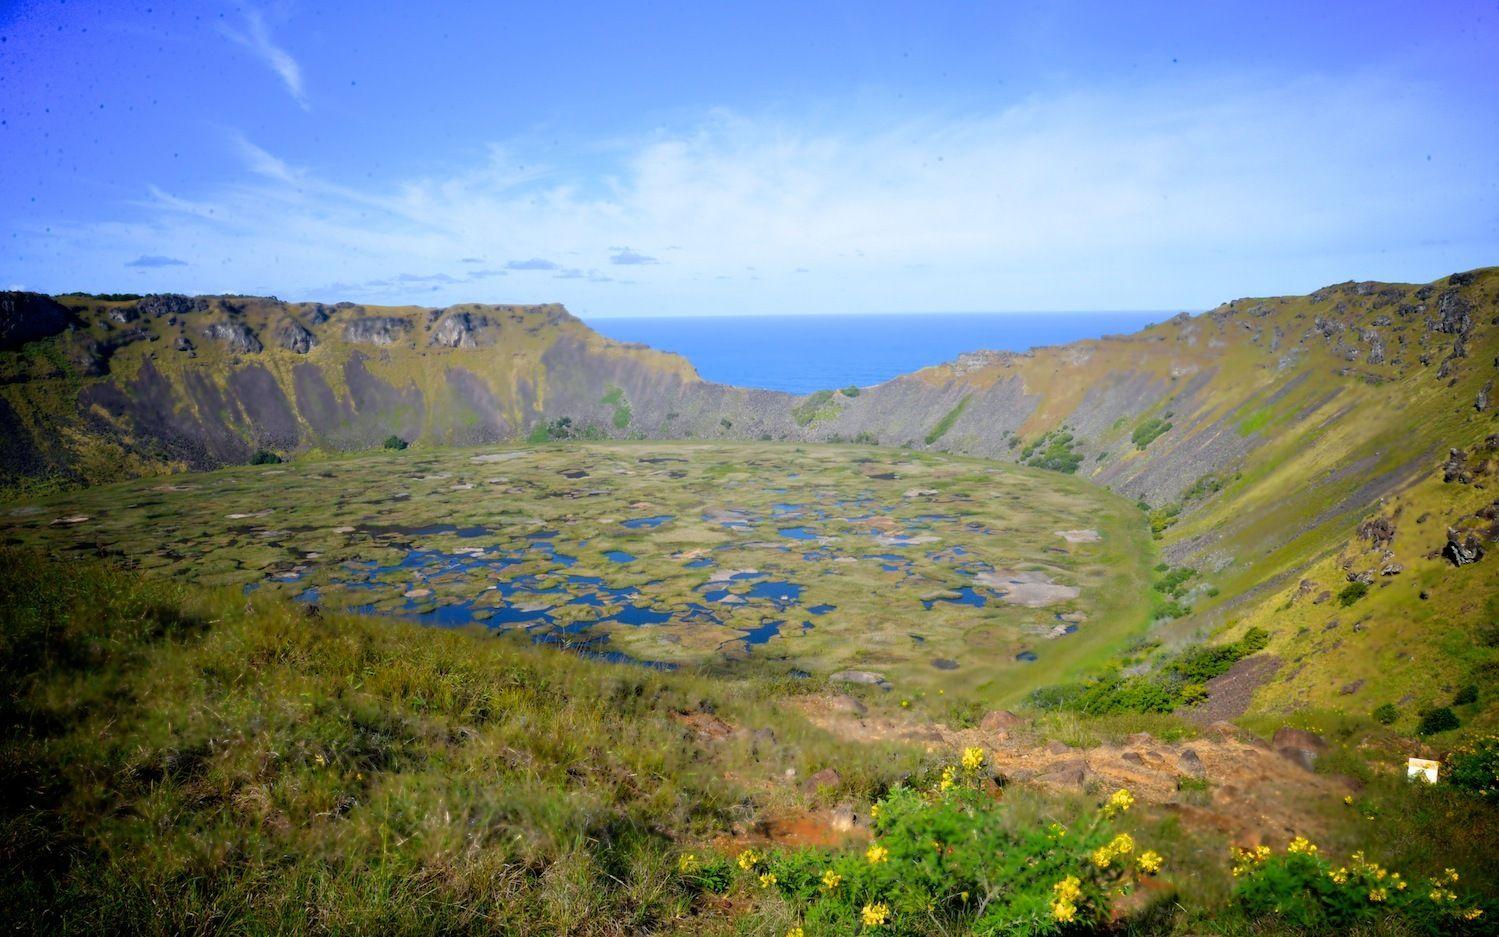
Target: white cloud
{"x": 1181, "y": 196}
{"x": 257, "y": 39}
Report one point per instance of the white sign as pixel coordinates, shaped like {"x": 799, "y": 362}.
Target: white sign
{"x": 1421, "y": 769}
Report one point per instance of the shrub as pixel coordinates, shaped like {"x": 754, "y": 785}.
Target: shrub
{"x": 1303, "y": 891}
{"x": 851, "y": 390}
{"x": 1386, "y": 714}
{"x": 1440, "y": 719}
{"x": 945, "y": 424}
{"x": 1352, "y": 593}
{"x": 1474, "y": 767}
{"x": 264, "y": 457}
{"x": 1147, "y": 431}
{"x": 394, "y": 442}
{"x": 947, "y": 859}
{"x": 1468, "y": 694}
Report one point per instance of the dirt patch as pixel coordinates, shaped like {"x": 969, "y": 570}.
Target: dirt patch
{"x": 1229, "y": 694}
{"x": 1245, "y": 790}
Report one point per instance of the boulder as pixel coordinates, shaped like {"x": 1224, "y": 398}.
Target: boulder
{"x": 865, "y": 677}
{"x": 997, "y": 719}
{"x": 1189, "y": 763}
{"x": 847, "y": 704}
{"x": 827, "y": 777}
{"x": 459, "y": 330}
{"x": 1299, "y": 745}
{"x": 1069, "y": 775}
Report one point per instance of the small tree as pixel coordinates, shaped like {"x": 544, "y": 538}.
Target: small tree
{"x": 1437, "y": 720}
{"x": 395, "y": 442}
{"x": 264, "y": 457}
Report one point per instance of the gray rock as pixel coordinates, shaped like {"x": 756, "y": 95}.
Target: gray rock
{"x": 293, "y": 336}
{"x": 1190, "y": 764}
{"x": 376, "y": 330}
{"x": 26, "y": 317}
{"x": 235, "y": 335}
{"x": 459, "y": 330}
{"x": 865, "y": 677}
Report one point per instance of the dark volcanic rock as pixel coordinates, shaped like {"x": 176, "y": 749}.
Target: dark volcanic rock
{"x": 376, "y": 330}
{"x": 26, "y": 317}
{"x": 1462, "y": 549}
{"x": 236, "y": 335}
{"x": 293, "y": 336}
{"x": 170, "y": 304}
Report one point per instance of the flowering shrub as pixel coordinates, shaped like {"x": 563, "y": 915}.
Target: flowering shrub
{"x": 943, "y": 858}
{"x": 1301, "y": 889}
{"x": 1474, "y": 767}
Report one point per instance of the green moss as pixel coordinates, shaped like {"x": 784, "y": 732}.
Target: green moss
{"x": 1148, "y": 431}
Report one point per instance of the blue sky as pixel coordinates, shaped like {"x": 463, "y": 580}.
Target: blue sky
{"x": 706, "y": 158}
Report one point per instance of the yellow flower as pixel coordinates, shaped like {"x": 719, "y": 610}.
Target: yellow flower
{"x": 905, "y": 704}
{"x": 1056, "y": 831}
{"x": 1451, "y": 876}
{"x": 876, "y": 854}
{"x": 1472, "y": 914}
{"x": 1339, "y": 877}
{"x": 796, "y": 932}
{"x": 767, "y": 879}
{"x": 1119, "y": 801}
{"x": 973, "y": 758}
{"x": 1302, "y": 846}
{"x": 831, "y": 880}
{"x": 949, "y": 774}
{"x": 1149, "y": 862}
{"x": 1068, "y": 891}
{"x": 748, "y": 859}
{"x": 687, "y": 863}
{"x": 1348, "y": 800}
{"x": 874, "y": 812}
{"x": 875, "y": 914}
{"x": 1377, "y": 895}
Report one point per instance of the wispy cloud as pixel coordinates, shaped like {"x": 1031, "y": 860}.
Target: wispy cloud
{"x": 1186, "y": 194}
{"x": 257, "y": 39}
{"x": 629, "y": 257}
{"x": 155, "y": 260}
{"x": 535, "y": 263}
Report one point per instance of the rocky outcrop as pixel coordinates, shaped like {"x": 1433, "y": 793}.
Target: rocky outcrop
{"x": 27, "y": 317}
{"x": 459, "y": 330}
{"x": 236, "y": 336}
{"x": 377, "y": 330}
{"x": 294, "y": 337}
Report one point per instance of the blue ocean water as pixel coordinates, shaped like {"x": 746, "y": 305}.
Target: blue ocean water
{"x": 801, "y": 354}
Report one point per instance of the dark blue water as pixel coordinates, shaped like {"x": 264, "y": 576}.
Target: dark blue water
{"x": 801, "y": 354}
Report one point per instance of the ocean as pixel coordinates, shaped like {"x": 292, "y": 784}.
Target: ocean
{"x": 804, "y": 353}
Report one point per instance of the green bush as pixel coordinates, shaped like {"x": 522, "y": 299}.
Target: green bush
{"x": 949, "y": 859}
{"x": 1466, "y": 695}
{"x": 1300, "y": 890}
{"x": 1474, "y": 767}
{"x": 1440, "y": 719}
{"x": 1352, "y": 593}
{"x": 1147, "y": 432}
{"x": 264, "y": 457}
{"x": 1385, "y": 714}
{"x": 394, "y": 442}
{"x": 945, "y": 424}
{"x": 851, "y": 390}
{"x": 1053, "y": 451}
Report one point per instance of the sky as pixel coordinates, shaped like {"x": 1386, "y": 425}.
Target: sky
{"x": 697, "y": 158}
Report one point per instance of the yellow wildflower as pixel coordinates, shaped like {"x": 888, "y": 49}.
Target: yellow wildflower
{"x": 1377, "y": 895}
{"x": 1119, "y": 801}
{"x": 1302, "y": 846}
{"x": 1348, "y": 800}
{"x": 1472, "y": 914}
{"x": 973, "y": 758}
{"x": 874, "y": 812}
{"x": 687, "y": 864}
{"x": 876, "y": 854}
{"x": 1450, "y": 875}
{"x": 875, "y": 914}
{"x": 1149, "y": 862}
{"x": 905, "y": 704}
{"x": 796, "y": 932}
{"x": 1064, "y": 906}
{"x": 1121, "y": 845}
{"x": 748, "y": 859}
{"x": 1339, "y": 877}
{"x": 1056, "y": 831}
{"x": 767, "y": 879}
{"x": 831, "y": 880}
{"x": 949, "y": 775}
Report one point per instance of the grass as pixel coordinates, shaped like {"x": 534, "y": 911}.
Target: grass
{"x": 948, "y": 419}
{"x": 179, "y": 761}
